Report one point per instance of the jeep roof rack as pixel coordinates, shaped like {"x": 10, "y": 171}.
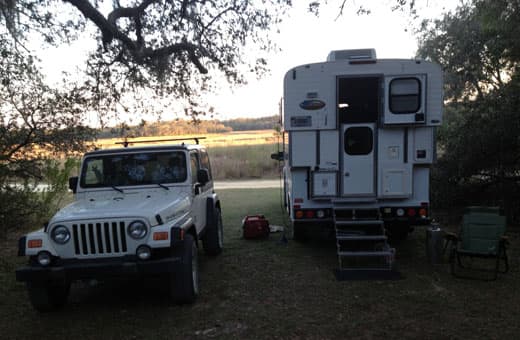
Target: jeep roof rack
{"x": 126, "y": 142}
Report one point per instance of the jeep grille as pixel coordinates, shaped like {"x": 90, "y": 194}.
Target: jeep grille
{"x": 99, "y": 238}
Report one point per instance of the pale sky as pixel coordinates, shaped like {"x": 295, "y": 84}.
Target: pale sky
{"x": 303, "y": 38}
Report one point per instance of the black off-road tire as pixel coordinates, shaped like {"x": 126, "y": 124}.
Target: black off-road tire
{"x": 213, "y": 241}
{"x": 300, "y": 232}
{"x": 398, "y": 231}
{"x": 48, "y": 296}
{"x": 184, "y": 282}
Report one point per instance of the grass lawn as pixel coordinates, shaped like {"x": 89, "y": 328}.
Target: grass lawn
{"x": 267, "y": 289}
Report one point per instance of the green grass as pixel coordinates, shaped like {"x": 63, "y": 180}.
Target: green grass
{"x": 265, "y": 289}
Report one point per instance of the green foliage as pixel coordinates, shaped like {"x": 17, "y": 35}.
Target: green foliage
{"x": 56, "y": 177}
{"x": 479, "y": 143}
{"x": 25, "y": 204}
{"x": 19, "y": 204}
{"x": 36, "y": 122}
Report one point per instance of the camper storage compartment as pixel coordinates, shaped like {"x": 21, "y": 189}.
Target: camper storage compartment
{"x": 302, "y": 152}
{"x": 324, "y": 184}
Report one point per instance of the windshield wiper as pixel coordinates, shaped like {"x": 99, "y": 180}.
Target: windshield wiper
{"x": 117, "y": 189}
{"x": 163, "y": 186}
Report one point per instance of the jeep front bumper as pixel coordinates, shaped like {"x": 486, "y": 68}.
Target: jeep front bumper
{"x": 79, "y": 269}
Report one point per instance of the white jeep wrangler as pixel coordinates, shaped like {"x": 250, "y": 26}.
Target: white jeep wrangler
{"x": 137, "y": 211}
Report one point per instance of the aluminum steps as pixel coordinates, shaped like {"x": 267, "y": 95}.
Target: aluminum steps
{"x": 362, "y": 245}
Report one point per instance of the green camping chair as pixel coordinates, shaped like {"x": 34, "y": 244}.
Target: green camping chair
{"x": 481, "y": 236}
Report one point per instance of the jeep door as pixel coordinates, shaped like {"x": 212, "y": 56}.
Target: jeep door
{"x": 200, "y": 192}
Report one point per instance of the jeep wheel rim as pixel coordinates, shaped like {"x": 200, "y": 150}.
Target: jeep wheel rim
{"x": 194, "y": 270}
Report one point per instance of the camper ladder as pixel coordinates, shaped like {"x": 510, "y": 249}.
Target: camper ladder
{"x": 361, "y": 241}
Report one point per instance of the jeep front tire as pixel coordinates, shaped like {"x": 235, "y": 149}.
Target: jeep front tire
{"x": 184, "y": 282}
{"x": 48, "y": 296}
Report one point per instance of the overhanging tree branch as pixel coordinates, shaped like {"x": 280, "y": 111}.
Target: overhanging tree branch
{"x": 140, "y": 52}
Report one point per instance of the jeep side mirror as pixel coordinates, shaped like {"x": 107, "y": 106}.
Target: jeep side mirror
{"x": 203, "y": 176}
{"x": 73, "y": 184}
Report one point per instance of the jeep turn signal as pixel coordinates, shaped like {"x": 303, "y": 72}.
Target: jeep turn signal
{"x": 160, "y": 236}
{"x": 35, "y": 243}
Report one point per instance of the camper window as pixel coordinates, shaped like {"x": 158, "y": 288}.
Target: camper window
{"x": 358, "y": 141}
{"x": 405, "y": 95}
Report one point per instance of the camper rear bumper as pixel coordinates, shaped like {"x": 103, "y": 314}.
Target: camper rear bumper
{"x": 404, "y": 215}
{"x": 408, "y": 221}
{"x": 330, "y": 223}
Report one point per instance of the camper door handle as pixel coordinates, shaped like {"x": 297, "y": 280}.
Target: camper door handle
{"x": 347, "y": 174}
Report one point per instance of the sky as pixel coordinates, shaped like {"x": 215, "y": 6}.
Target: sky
{"x": 303, "y": 38}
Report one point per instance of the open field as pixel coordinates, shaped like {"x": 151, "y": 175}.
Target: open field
{"x": 234, "y": 155}
{"x": 243, "y": 161}
{"x": 210, "y": 139}
{"x": 268, "y": 289}
{"x": 239, "y": 154}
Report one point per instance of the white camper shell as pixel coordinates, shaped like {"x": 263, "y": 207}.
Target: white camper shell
{"x": 359, "y": 140}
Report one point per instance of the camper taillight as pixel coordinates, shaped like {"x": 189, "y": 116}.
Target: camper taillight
{"x": 311, "y": 213}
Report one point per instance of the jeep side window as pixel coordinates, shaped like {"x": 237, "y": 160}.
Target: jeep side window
{"x": 194, "y": 161}
{"x": 204, "y": 162}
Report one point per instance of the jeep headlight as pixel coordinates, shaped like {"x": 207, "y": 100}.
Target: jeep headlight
{"x": 137, "y": 230}
{"x": 60, "y": 234}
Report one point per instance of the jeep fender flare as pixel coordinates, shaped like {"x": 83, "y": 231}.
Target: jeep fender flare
{"x": 212, "y": 204}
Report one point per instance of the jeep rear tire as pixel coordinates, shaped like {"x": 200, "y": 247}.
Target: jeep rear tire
{"x": 213, "y": 240}
{"x": 46, "y": 296}
{"x": 184, "y": 282}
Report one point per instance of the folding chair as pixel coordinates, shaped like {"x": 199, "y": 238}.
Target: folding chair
{"x": 481, "y": 236}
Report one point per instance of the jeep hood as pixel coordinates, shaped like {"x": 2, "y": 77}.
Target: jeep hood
{"x": 168, "y": 204}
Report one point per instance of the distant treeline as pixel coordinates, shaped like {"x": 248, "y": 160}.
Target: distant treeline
{"x": 183, "y": 127}
{"x": 245, "y": 124}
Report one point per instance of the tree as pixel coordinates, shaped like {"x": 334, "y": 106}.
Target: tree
{"x": 178, "y": 48}
{"x": 479, "y": 50}
{"x": 402, "y": 5}
{"x": 174, "y": 47}
{"x": 36, "y": 121}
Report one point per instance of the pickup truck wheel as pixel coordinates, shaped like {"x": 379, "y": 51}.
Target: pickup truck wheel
{"x": 213, "y": 240}
{"x": 398, "y": 231}
{"x": 299, "y": 232}
{"x": 48, "y": 297}
{"x": 184, "y": 283}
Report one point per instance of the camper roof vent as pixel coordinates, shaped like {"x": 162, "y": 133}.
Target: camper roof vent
{"x": 359, "y": 55}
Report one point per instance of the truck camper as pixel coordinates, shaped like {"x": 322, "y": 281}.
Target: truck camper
{"x": 359, "y": 142}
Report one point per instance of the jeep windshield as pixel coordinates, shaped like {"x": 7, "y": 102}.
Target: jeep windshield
{"x": 127, "y": 169}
